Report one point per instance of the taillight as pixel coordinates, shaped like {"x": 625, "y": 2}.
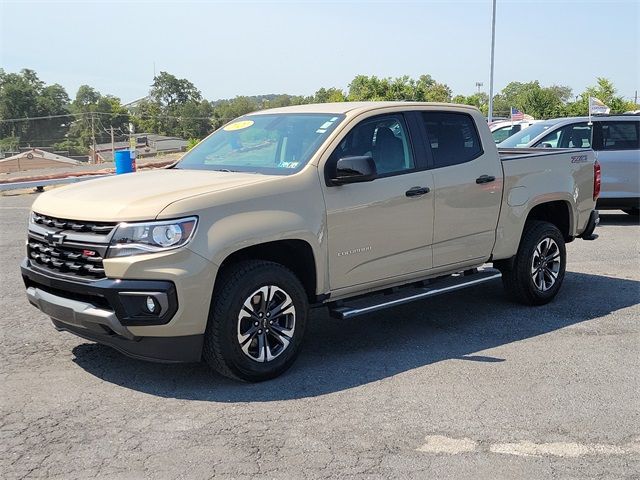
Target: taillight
{"x": 596, "y": 180}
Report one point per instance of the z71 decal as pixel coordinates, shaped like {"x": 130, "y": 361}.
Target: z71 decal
{"x": 579, "y": 159}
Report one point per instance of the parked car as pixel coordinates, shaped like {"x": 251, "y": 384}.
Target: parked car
{"x": 504, "y": 129}
{"x": 352, "y": 206}
{"x": 616, "y": 141}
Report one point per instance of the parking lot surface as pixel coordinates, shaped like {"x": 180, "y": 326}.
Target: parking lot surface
{"x": 467, "y": 385}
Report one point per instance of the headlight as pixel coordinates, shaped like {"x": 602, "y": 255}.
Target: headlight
{"x": 148, "y": 237}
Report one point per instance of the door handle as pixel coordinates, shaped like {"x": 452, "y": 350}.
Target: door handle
{"x": 417, "y": 191}
{"x": 485, "y": 179}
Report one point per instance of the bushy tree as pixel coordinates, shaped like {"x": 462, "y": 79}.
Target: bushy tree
{"x": 91, "y": 109}
{"x": 533, "y": 99}
{"x": 25, "y": 95}
{"x": 479, "y": 100}
{"x": 329, "y": 95}
{"x": 603, "y": 90}
{"x": 424, "y": 89}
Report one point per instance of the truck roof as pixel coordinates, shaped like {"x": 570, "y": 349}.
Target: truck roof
{"x": 345, "y": 107}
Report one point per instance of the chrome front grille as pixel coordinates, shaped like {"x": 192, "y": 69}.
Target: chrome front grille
{"x": 76, "y": 226}
{"x": 69, "y": 247}
{"x": 84, "y": 262}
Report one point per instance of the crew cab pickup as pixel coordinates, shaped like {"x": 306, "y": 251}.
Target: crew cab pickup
{"x": 352, "y": 206}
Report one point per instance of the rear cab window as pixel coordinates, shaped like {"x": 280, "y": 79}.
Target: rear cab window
{"x": 617, "y": 135}
{"x": 452, "y": 138}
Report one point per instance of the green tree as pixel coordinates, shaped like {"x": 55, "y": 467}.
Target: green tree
{"x": 94, "y": 113}
{"x": 532, "y": 99}
{"x": 479, "y": 100}
{"x": 169, "y": 91}
{"x": 603, "y": 90}
{"x": 329, "y": 95}
{"x": 25, "y": 95}
{"x": 424, "y": 89}
{"x": 174, "y": 107}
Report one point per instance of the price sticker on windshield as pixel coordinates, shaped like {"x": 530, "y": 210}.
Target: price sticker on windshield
{"x": 238, "y": 125}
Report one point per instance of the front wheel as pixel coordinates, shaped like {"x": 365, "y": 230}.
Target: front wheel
{"x": 257, "y": 321}
{"x": 538, "y": 269}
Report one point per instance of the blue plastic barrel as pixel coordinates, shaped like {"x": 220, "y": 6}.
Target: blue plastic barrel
{"x": 124, "y": 162}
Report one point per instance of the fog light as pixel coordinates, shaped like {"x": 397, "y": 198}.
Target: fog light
{"x": 151, "y": 304}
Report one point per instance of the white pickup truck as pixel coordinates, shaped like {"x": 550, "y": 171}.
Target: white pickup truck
{"x": 353, "y": 206}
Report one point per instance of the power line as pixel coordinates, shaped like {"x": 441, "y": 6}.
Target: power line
{"x": 49, "y": 117}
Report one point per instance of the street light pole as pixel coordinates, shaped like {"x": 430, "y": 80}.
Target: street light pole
{"x": 493, "y": 46}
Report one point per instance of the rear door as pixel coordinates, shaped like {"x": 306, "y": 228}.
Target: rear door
{"x": 468, "y": 189}
{"x": 617, "y": 147}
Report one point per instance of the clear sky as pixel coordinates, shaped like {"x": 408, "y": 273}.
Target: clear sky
{"x": 248, "y": 48}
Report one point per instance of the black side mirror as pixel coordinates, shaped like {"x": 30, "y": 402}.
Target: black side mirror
{"x": 546, "y": 145}
{"x": 352, "y": 170}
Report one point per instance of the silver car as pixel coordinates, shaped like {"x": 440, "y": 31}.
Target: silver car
{"x": 616, "y": 141}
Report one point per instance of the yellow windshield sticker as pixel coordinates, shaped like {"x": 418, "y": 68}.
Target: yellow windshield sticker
{"x": 238, "y": 125}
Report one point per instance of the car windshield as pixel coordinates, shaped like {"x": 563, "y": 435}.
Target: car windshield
{"x": 524, "y": 137}
{"x": 273, "y": 144}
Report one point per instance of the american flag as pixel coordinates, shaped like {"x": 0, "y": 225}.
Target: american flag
{"x": 516, "y": 114}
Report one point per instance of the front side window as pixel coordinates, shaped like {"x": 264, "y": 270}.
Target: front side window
{"x": 275, "y": 144}
{"x": 576, "y": 135}
{"x": 452, "y": 137}
{"x": 526, "y": 135}
{"x": 384, "y": 139}
{"x": 619, "y": 136}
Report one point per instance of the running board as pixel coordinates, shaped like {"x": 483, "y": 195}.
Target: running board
{"x": 378, "y": 301}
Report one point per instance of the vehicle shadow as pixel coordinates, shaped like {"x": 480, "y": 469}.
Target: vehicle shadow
{"x": 617, "y": 219}
{"x": 339, "y": 355}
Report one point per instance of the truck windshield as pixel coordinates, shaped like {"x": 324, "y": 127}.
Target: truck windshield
{"x": 273, "y": 144}
{"x": 524, "y": 137}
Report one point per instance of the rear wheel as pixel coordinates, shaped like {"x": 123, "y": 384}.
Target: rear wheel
{"x": 538, "y": 268}
{"x": 257, "y": 321}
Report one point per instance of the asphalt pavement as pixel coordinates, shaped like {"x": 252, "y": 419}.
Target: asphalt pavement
{"x": 467, "y": 385}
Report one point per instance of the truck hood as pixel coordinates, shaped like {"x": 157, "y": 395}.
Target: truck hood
{"x": 136, "y": 196}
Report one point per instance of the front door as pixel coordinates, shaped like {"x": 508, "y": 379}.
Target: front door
{"x": 381, "y": 229}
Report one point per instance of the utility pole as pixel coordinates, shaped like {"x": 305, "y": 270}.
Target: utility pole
{"x": 113, "y": 148}
{"x": 493, "y": 46}
{"x": 635, "y": 98}
{"x": 93, "y": 139}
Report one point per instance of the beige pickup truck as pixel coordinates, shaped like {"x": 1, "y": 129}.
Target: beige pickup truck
{"x": 352, "y": 206}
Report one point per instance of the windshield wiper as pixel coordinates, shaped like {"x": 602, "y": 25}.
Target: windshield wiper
{"x": 230, "y": 171}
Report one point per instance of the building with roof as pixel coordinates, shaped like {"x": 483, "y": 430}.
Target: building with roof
{"x": 147, "y": 145}
{"x": 33, "y": 159}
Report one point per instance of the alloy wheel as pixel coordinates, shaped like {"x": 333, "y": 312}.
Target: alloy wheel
{"x": 266, "y": 323}
{"x": 545, "y": 264}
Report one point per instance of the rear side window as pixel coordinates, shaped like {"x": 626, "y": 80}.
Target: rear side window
{"x": 618, "y": 136}
{"x": 453, "y": 137}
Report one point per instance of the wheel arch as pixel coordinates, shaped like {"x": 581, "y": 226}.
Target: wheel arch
{"x": 295, "y": 254}
{"x": 558, "y": 213}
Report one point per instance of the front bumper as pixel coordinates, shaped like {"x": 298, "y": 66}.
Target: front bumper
{"x": 103, "y": 311}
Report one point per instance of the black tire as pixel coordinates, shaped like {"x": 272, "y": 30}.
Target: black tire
{"x": 518, "y": 279}
{"x": 238, "y": 284}
{"x": 634, "y": 212}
